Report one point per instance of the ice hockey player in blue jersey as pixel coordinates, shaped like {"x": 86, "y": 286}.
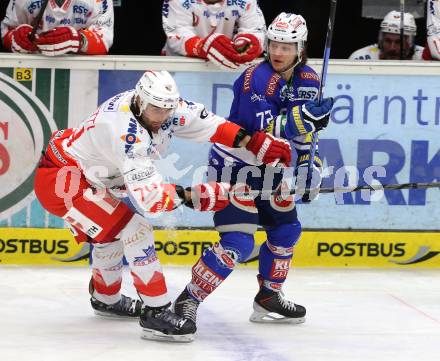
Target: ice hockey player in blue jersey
{"x": 276, "y": 95}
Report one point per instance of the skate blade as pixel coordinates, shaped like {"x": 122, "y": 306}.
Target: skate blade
{"x": 112, "y": 316}
{"x": 155, "y": 335}
{"x": 272, "y": 317}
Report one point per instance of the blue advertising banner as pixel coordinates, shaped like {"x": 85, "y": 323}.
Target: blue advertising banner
{"x": 383, "y": 129}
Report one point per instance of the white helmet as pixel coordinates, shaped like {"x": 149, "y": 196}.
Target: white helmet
{"x": 157, "y": 88}
{"x": 391, "y": 23}
{"x": 288, "y": 28}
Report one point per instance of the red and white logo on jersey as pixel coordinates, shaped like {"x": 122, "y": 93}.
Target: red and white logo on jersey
{"x": 282, "y": 202}
{"x": 205, "y": 277}
{"x": 226, "y": 257}
{"x": 280, "y": 268}
{"x": 240, "y": 198}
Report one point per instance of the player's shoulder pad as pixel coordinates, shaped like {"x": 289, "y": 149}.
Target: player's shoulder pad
{"x": 186, "y": 111}
{"x": 118, "y": 103}
{"x": 261, "y": 79}
{"x": 307, "y": 76}
{"x": 365, "y": 53}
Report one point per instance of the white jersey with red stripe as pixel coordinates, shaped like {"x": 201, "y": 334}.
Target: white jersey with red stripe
{"x": 371, "y": 52}
{"x": 184, "y": 19}
{"x": 433, "y": 28}
{"x": 115, "y": 152}
{"x": 94, "y": 15}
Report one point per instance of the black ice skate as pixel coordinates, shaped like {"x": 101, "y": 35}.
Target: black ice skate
{"x": 126, "y": 307}
{"x": 185, "y": 306}
{"x": 161, "y": 324}
{"x": 271, "y": 307}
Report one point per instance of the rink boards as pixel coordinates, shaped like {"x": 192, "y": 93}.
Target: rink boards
{"x": 56, "y": 247}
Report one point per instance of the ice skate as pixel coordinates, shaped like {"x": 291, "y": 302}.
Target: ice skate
{"x": 185, "y": 306}
{"x": 271, "y": 307}
{"x": 126, "y": 307}
{"x": 161, "y": 324}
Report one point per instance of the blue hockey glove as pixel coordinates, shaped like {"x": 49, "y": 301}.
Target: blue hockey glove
{"x": 302, "y": 119}
{"x": 317, "y": 115}
{"x": 309, "y": 117}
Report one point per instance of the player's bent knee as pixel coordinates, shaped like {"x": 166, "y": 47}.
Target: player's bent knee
{"x": 241, "y": 242}
{"x": 284, "y": 235}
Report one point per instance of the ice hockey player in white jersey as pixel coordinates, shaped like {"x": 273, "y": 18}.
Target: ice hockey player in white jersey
{"x": 432, "y": 49}
{"x": 101, "y": 179}
{"x": 226, "y": 32}
{"x": 388, "y": 46}
{"x": 67, "y": 26}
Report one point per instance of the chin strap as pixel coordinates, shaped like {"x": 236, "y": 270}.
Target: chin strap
{"x": 134, "y": 108}
{"x": 290, "y": 67}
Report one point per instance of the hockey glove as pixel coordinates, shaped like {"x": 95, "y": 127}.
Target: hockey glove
{"x": 301, "y": 179}
{"x": 194, "y": 47}
{"x": 219, "y": 49}
{"x": 270, "y": 150}
{"x": 310, "y": 117}
{"x": 59, "y": 40}
{"x": 248, "y": 46}
{"x": 20, "y": 40}
{"x": 209, "y": 196}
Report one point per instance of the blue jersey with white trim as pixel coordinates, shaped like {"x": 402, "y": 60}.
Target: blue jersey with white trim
{"x": 260, "y": 95}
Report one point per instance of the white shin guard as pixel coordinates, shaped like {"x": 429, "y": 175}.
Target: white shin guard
{"x": 148, "y": 278}
{"x": 107, "y": 271}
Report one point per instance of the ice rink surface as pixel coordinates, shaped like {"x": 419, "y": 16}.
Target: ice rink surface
{"x": 386, "y": 315}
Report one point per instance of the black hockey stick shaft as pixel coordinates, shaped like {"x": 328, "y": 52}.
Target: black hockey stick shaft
{"x": 327, "y": 48}
{"x": 378, "y": 187}
{"x": 402, "y": 26}
{"x": 37, "y": 20}
{"x": 325, "y": 61}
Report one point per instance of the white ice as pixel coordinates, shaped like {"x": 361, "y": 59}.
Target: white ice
{"x": 351, "y": 315}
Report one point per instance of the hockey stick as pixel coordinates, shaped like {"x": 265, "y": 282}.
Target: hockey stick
{"x": 328, "y": 44}
{"x": 346, "y": 189}
{"x": 402, "y": 25}
{"x": 37, "y": 20}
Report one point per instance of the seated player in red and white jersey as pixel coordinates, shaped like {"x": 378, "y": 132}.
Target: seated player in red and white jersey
{"x": 227, "y": 33}
{"x": 388, "y": 45}
{"x": 67, "y": 26}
